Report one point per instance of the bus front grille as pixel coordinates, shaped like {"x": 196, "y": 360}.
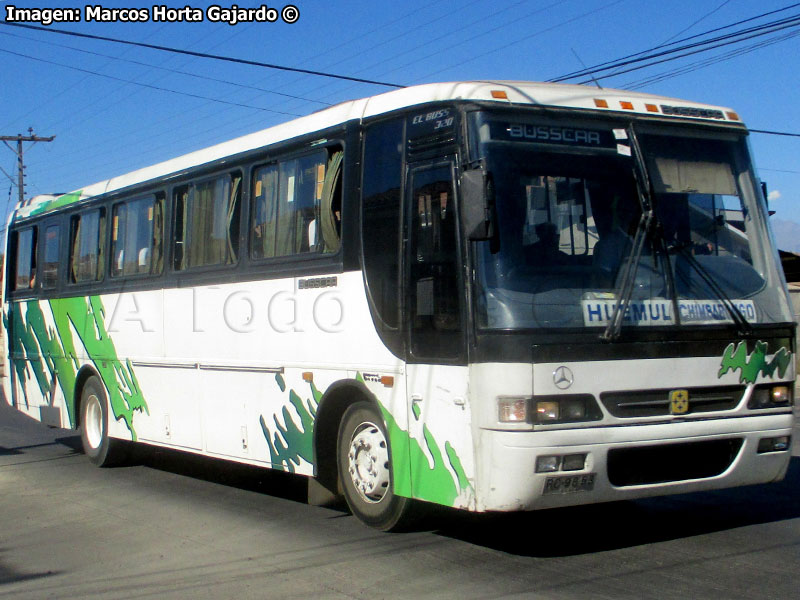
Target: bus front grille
{"x": 671, "y": 462}
{"x": 655, "y": 403}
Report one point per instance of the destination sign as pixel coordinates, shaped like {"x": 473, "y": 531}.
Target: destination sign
{"x": 598, "y": 313}
{"x": 551, "y": 134}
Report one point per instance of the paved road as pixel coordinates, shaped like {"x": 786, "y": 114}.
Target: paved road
{"x": 183, "y": 527}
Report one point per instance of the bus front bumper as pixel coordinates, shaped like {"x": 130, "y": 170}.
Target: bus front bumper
{"x": 630, "y": 461}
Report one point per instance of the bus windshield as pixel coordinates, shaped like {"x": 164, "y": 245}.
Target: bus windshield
{"x": 568, "y": 210}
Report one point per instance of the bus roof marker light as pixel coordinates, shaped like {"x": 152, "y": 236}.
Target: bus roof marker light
{"x": 600, "y": 103}
{"x": 308, "y": 377}
{"x": 651, "y": 108}
{"x": 387, "y": 381}
{"x": 733, "y": 116}
{"x": 626, "y": 105}
{"x": 499, "y": 95}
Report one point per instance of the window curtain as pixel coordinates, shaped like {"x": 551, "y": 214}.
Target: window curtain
{"x": 74, "y": 267}
{"x": 213, "y": 228}
{"x": 265, "y": 213}
{"x": 232, "y": 230}
{"x": 328, "y": 218}
{"x": 289, "y": 227}
{"x": 157, "y": 264}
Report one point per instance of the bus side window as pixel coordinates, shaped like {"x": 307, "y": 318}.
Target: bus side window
{"x": 87, "y": 246}
{"x": 207, "y": 222}
{"x": 381, "y": 214}
{"x": 297, "y": 205}
{"x": 52, "y": 239}
{"x": 300, "y": 185}
{"x": 25, "y": 273}
{"x": 136, "y": 233}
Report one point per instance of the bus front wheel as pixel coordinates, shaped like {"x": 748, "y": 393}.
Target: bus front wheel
{"x": 101, "y": 449}
{"x": 364, "y": 461}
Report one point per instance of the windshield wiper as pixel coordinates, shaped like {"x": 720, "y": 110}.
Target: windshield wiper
{"x": 643, "y": 231}
{"x": 736, "y": 315}
{"x": 614, "y": 327}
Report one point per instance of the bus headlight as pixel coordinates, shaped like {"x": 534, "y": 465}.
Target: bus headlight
{"x": 546, "y": 410}
{"x": 771, "y": 397}
{"x": 569, "y": 408}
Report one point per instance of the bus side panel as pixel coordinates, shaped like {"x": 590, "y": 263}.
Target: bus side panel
{"x": 251, "y": 361}
{"x": 49, "y": 342}
{"x": 441, "y": 450}
{"x": 34, "y": 356}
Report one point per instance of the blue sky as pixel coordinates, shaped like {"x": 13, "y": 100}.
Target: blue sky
{"x": 116, "y": 122}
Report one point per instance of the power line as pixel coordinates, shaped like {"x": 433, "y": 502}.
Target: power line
{"x": 701, "y": 64}
{"x": 779, "y": 171}
{"x": 515, "y": 19}
{"x": 242, "y": 61}
{"x": 579, "y": 73}
{"x": 169, "y": 70}
{"x": 689, "y": 49}
{"x": 407, "y": 48}
{"x": 539, "y": 32}
{"x": 10, "y": 178}
{"x": 720, "y": 44}
{"x": 97, "y": 104}
{"x": 147, "y": 85}
{"x": 701, "y": 19}
{"x": 767, "y": 132}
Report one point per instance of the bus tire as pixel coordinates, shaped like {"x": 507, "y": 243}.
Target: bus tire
{"x": 364, "y": 461}
{"x": 101, "y": 449}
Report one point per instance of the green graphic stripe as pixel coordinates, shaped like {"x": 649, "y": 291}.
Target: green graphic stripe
{"x": 292, "y": 442}
{"x": 52, "y": 352}
{"x": 58, "y": 202}
{"x": 413, "y": 475}
{"x": 751, "y": 366}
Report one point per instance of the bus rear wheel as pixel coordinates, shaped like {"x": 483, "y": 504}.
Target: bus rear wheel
{"x": 364, "y": 461}
{"x": 101, "y": 449}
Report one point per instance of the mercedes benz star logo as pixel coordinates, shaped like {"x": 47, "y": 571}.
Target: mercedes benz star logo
{"x": 563, "y": 378}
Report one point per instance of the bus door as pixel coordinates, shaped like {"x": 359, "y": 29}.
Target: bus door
{"x": 434, "y": 305}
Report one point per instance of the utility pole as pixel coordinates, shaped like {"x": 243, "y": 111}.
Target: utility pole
{"x": 19, "y": 138}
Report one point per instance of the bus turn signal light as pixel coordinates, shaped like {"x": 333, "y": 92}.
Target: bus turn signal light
{"x": 512, "y": 410}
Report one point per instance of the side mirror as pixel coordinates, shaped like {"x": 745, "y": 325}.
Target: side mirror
{"x": 477, "y": 205}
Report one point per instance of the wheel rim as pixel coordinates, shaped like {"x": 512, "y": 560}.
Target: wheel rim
{"x": 93, "y": 421}
{"x": 368, "y": 462}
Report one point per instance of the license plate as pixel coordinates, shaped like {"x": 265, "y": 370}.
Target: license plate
{"x": 567, "y": 484}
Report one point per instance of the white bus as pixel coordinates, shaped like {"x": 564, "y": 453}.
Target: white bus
{"x": 493, "y": 296}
